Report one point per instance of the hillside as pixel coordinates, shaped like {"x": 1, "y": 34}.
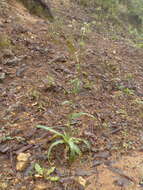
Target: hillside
{"x": 77, "y": 75}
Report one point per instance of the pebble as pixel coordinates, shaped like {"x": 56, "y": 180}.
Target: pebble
{"x": 23, "y": 161}
{"x": 2, "y": 76}
{"x": 3, "y": 186}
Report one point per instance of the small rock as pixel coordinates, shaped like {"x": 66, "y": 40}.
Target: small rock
{"x": 23, "y": 157}
{"x": 2, "y": 76}
{"x": 23, "y": 161}
{"x": 3, "y": 186}
{"x": 81, "y": 181}
{"x": 20, "y": 166}
{"x": 41, "y": 186}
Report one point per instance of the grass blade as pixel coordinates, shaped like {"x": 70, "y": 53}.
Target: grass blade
{"x": 74, "y": 150}
{"x": 53, "y": 145}
{"x": 50, "y": 129}
{"x": 79, "y": 114}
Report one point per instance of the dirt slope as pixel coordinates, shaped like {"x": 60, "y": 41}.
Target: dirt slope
{"x": 42, "y": 66}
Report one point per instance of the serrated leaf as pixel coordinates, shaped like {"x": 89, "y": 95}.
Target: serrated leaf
{"x": 38, "y": 169}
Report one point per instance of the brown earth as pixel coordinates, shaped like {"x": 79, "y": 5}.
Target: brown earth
{"x": 35, "y": 52}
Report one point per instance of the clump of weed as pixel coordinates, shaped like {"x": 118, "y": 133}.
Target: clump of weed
{"x": 66, "y": 137}
{"x": 34, "y": 94}
{"x": 4, "y": 41}
{"x": 70, "y": 142}
{"x": 45, "y": 173}
{"x": 76, "y": 85}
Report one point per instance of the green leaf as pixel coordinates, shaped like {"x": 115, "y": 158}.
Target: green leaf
{"x": 74, "y": 150}
{"x": 139, "y": 101}
{"x": 53, "y": 178}
{"x": 50, "y": 171}
{"x": 50, "y": 129}
{"x": 38, "y": 169}
{"x": 66, "y": 137}
{"x": 79, "y": 114}
{"x": 53, "y": 145}
{"x": 72, "y": 155}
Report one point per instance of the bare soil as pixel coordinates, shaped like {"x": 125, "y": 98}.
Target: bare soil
{"x": 111, "y": 77}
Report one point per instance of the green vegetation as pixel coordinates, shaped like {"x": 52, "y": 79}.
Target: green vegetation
{"x": 49, "y": 82}
{"x": 71, "y": 68}
{"x": 117, "y": 16}
{"x": 126, "y": 90}
{"x": 64, "y": 138}
{"x": 76, "y": 85}
{"x": 34, "y": 94}
{"x": 4, "y": 41}
{"x": 45, "y": 173}
{"x": 79, "y": 114}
